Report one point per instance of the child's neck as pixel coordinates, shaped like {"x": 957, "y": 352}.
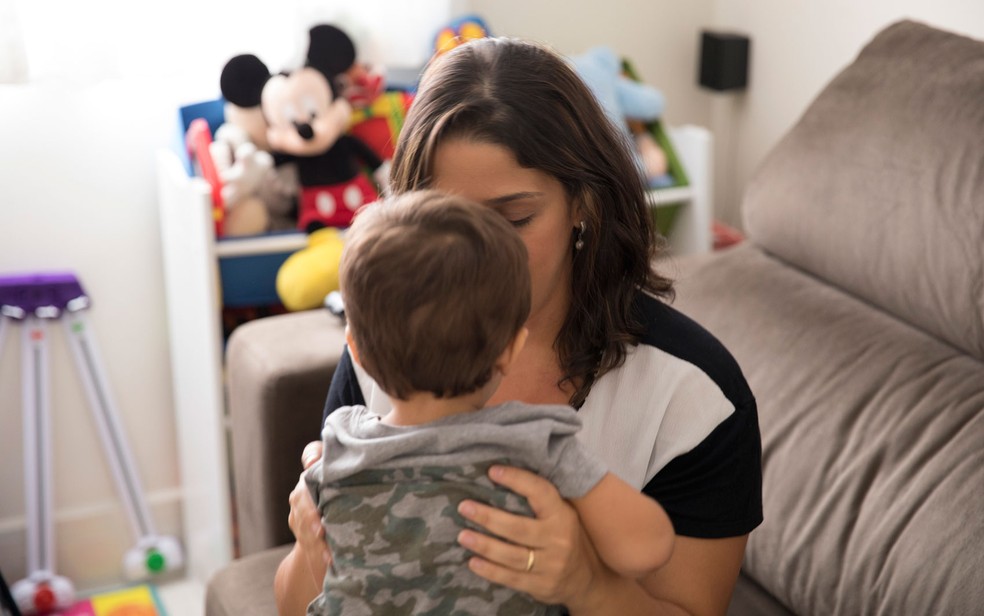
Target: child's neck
{"x": 425, "y": 407}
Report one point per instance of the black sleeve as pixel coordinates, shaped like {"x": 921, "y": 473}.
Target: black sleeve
{"x": 715, "y": 489}
{"x": 344, "y": 390}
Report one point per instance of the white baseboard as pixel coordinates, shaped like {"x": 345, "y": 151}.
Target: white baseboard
{"x": 90, "y": 539}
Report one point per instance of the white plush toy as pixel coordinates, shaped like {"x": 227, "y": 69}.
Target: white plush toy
{"x": 258, "y": 196}
{"x": 241, "y": 168}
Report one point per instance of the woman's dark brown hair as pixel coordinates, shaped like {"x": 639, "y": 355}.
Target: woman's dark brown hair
{"x": 526, "y": 98}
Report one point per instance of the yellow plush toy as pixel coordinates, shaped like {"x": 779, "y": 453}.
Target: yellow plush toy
{"x": 311, "y": 273}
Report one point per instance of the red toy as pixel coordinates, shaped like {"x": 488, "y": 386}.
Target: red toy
{"x": 360, "y": 85}
{"x": 198, "y": 139}
{"x": 379, "y": 124}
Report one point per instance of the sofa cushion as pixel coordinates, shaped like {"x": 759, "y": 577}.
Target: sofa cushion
{"x": 750, "y": 599}
{"x": 278, "y": 369}
{"x": 245, "y": 586}
{"x": 879, "y": 188}
{"x": 872, "y": 443}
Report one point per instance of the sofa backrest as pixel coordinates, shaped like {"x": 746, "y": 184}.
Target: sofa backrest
{"x": 879, "y": 188}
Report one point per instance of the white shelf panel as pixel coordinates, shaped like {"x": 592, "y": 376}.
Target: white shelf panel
{"x": 191, "y": 279}
{"x": 260, "y": 245}
{"x": 669, "y": 196}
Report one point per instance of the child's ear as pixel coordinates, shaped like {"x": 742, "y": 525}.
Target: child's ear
{"x": 350, "y": 341}
{"x": 512, "y": 351}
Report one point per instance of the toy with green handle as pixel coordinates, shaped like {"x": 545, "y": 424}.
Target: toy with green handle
{"x": 32, "y": 301}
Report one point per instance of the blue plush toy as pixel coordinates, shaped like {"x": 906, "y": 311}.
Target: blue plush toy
{"x": 626, "y": 100}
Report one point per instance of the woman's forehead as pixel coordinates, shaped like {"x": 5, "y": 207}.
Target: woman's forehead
{"x": 483, "y": 171}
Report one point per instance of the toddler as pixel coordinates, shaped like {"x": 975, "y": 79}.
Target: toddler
{"x": 437, "y": 292}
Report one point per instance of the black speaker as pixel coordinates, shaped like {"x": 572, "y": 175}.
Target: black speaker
{"x": 723, "y": 61}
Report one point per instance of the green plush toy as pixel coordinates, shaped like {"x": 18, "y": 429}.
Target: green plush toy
{"x": 629, "y": 104}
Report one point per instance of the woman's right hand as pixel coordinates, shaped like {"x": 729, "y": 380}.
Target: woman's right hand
{"x": 549, "y": 557}
{"x": 304, "y": 519}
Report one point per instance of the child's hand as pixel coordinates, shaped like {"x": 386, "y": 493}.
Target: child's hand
{"x": 311, "y": 454}
{"x": 305, "y": 521}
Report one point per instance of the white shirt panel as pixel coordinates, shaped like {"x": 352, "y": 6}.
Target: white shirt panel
{"x": 655, "y": 406}
{"x": 376, "y": 399}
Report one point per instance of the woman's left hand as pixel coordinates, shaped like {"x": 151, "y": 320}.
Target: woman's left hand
{"x": 564, "y": 563}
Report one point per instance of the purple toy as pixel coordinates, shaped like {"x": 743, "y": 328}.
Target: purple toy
{"x": 32, "y": 301}
{"x": 45, "y": 295}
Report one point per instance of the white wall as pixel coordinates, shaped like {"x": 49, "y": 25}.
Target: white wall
{"x": 797, "y": 48}
{"x": 78, "y": 193}
{"x": 659, "y": 36}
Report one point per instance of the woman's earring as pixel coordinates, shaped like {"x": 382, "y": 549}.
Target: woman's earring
{"x": 579, "y": 243}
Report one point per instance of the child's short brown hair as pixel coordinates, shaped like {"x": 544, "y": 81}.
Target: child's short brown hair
{"x": 435, "y": 288}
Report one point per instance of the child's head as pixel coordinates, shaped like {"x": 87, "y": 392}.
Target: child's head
{"x": 436, "y": 287}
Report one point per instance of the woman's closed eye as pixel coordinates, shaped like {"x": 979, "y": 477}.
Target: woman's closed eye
{"x": 519, "y": 222}
{"x": 517, "y": 208}
{"x": 518, "y": 214}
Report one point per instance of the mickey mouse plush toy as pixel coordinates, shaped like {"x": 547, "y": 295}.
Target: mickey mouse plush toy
{"x": 307, "y": 121}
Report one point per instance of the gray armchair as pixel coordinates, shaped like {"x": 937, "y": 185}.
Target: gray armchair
{"x": 278, "y": 372}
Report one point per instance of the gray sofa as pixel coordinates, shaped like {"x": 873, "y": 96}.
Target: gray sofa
{"x": 856, "y": 310}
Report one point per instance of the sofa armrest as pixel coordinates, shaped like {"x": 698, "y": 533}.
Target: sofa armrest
{"x": 278, "y": 373}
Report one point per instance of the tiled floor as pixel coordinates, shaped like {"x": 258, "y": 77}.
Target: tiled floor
{"x": 182, "y": 597}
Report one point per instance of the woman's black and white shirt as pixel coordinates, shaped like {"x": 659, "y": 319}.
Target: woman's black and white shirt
{"x": 677, "y": 420}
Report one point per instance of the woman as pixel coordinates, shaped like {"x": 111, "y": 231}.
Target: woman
{"x": 510, "y": 125}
